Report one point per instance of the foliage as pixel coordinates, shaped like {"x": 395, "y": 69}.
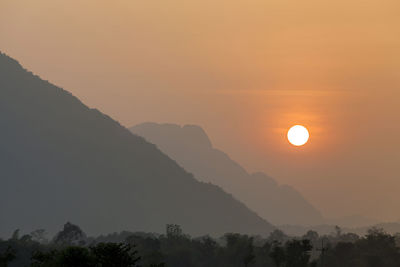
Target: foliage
{"x": 114, "y": 255}
{"x": 7, "y": 256}
{"x": 101, "y": 255}
{"x": 295, "y": 253}
{"x": 376, "y": 249}
{"x": 175, "y": 249}
{"x": 70, "y": 235}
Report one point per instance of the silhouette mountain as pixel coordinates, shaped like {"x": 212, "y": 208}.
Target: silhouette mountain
{"x": 62, "y": 161}
{"x": 352, "y": 221}
{"x": 326, "y": 229}
{"x": 191, "y": 148}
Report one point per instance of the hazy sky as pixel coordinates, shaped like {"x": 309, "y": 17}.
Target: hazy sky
{"x": 245, "y": 71}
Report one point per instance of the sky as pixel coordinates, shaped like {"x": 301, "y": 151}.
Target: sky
{"x": 245, "y": 71}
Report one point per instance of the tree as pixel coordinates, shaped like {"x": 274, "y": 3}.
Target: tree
{"x": 239, "y": 250}
{"x": 277, "y": 236}
{"x": 295, "y": 253}
{"x": 70, "y": 235}
{"x": 149, "y": 249}
{"x": 15, "y": 235}
{"x": 338, "y": 231}
{"x": 278, "y": 254}
{"x": 101, "y": 255}
{"x": 68, "y": 257}
{"x": 349, "y": 237}
{"x": 298, "y": 253}
{"x": 76, "y": 257}
{"x": 376, "y": 249}
{"x": 207, "y": 250}
{"x": 7, "y": 256}
{"x": 397, "y": 239}
{"x": 311, "y": 235}
{"x": 173, "y": 230}
{"x": 39, "y": 235}
{"x": 249, "y": 257}
{"x": 44, "y": 259}
{"x": 115, "y": 255}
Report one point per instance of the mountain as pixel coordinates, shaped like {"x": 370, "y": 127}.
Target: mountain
{"x": 62, "y": 161}
{"x": 353, "y": 221}
{"x": 190, "y": 146}
{"x": 326, "y": 229}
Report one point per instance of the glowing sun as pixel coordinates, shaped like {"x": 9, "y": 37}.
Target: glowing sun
{"x": 298, "y": 135}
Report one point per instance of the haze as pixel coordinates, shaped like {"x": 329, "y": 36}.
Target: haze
{"x": 245, "y": 71}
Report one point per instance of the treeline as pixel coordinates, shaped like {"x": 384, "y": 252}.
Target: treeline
{"x": 72, "y": 248}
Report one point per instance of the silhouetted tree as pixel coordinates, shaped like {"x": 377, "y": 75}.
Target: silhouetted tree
{"x": 76, "y": 257}
{"x": 349, "y": 237}
{"x": 311, "y": 235}
{"x": 101, "y": 255}
{"x": 298, "y": 253}
{"x": 239, "y": 250}
{"x": 173, "y": 230}
{"x": 44, "y": 259}
{"x": 208, "y": 249}
{"x": 115, "y": 255}
{"x": 39, "y": 235}
{"x": 295, "y": 253}
{"x": 149, "y": 249}
{"x": 338, "y": 231}
{"x": 278, "y": 254}
{"x": 69, "y": 257}
{"x": 7, "y": 256}
{"x": 15, "y": 235}
{"x": 70, "y": 235}
{"x": 376, "y": 249}
{"x": 278, "y": 236}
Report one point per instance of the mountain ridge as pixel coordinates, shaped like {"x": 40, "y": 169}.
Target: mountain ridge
{"x": 63, "y": 161}
{"x": 279, "y": 203}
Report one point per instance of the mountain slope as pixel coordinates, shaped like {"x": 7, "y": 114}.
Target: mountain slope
{"x": 62, "y": 161}
{"x": 191, "y": 148}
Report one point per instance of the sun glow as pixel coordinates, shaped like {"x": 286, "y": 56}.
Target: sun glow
{"x": 298, "y": 135}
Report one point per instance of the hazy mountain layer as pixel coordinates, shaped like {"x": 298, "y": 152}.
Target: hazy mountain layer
{"x": 325, "y": 229}
{"x": 62, "y": 161}
{"x": 191, "y": 148}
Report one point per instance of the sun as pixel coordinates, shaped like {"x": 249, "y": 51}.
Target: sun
{"x": 298, "y": 135}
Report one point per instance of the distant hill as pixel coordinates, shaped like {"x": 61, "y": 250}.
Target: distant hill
{"x": 191, "y": 148}
{"x": 325, "y": 229}
{"x": 62, "y": 161}
{"x": 354, "y": 221}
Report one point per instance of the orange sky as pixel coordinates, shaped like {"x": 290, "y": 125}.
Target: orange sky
{"x": 245, "y": 71}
